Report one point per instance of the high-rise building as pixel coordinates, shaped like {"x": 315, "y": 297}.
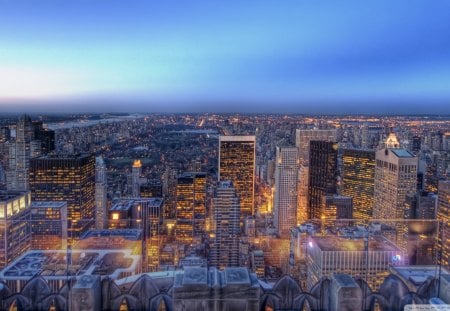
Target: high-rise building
{"x": 191, "y": 207}
{"x": 151, "y": 189}
{"x": 145, "y": 214}
{"x": 21, "y": 151}
{"x": 358, "y": 178}
{"x": 395, "y": 177}
{"x": 101, "y": 191}
{"x": 48, "y": 225}
{"x": 237, "y": 163}
{"x": 443, "y": 215}
{"x": 303, "y": 138}
{"x": 322, "y": 174}
{"x": 286, "y": 181}
{"x": 15, "y": 231}
{"x": 69, "y": 178}
{"x": 136, "y": 172}
{"x": 225, "y": 248}
{"x": 45, "y": 136}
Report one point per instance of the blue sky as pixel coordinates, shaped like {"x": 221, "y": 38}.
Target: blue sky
{"x": 250, "y": 56}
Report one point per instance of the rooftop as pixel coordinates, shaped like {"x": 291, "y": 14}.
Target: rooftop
{"x": 126, "y": 204}
{"x": 401, "y": 153}
{"x": 237, "y": 138}
{"x": 337, "y": 243}
{"x": 10, "y": 195}
{"x": 129, "y": 234}
{"x": 53, "y": 264}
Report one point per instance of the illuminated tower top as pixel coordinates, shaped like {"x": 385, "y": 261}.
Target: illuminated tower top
{"x": 392, "y": 141}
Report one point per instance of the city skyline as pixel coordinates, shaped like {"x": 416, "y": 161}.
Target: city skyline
{"x": 196, "y": 56}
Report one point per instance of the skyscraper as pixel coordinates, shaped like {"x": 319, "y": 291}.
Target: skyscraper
{"x": 358, "y": 178}
{"x": 225, "y": 250}
{"x": 322, "y": 174}
{"x": 286, "y": 181}
{"x": 303, "y": 138}
{"x": 443, "y": 215}
{"x": 100, "y": 194}
{"x": 21, "y": 151}
{"x": 191, "y": 207}
{"x": 136, "y": 171}
{"x": 237, "y": 163}
{"x": 15, "y": 230}
{"x": 68, "y": 178}
{"x": 395, "y": 177}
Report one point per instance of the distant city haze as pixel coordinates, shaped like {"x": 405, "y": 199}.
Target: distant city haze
{"x": 294, "y": 56}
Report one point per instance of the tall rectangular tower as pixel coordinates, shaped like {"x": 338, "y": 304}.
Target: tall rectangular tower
{"x": 237, "y": 163}
{"x": 286, "y": 181}
{"x": 191, "y": 207}
{"x": 68, "y": 178}
{"x": 322, "y": 174}
{"x": 358, "y": 179}
{"x": 443, "y": 215}
{"x": 225, "y": 250}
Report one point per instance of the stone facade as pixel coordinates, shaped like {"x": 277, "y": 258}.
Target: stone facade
{"x": 211, "y": 289}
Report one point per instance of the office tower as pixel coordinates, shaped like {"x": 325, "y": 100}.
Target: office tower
{"x": 303, "y": 140}
{"x": 191, "y": 207}
{"x": 368, "y": 258}
{"x": 144, "y": 214}
{"x": 151, "y": 189}
{"x": 337, "y": 207}
{"x": 48, "y": 225}
{"x": 225, "y": 248}
{"x": 358, "y": 178}
{"x": 101, "y": 191}
{"x": 136, "y": 172}
{"x": 15, "y": 231}
{"x": 416, "y": 144}
{"x": 322, "y": 174}
{"x": 21, "y": 151}
{"x": 69, "y": 178}
{"x": 237, "y": 163}
{"x": 45, "y": 136}
{"x": 286, "y": 180}
{"x": 395, "y": 177}
{"x": 169, "y": 190}
{"x": 443, "y": 216}
{"x": 257, "y": 263}
{"x": 420, "y": 205}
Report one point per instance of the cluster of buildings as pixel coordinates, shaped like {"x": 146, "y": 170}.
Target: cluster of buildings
{"x": 339, "y": 197}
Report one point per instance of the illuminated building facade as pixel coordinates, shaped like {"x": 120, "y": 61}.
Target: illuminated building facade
{"x": 21, "y": 151}
{"x": 322, "y": 174}
{"x": 443, "y": 215}
{"x": 286, "y": 181}
{"x": 69, "y": 178}
{"x": 369, "y": 260}
{"x": 144, "y": 214}
{"x": 225, "y": 248}
{"x": 303, "y": 138}
{"x": 336, "y": 207}
{"x": 358, "y": 180}
{"x": 136, "y": 171}
{"x": 237, "y": 163}
{"x": 15, "y": 231}
{"x": 48, "y": 225}
{"x": 191, "y": 207}
{"x": 100, "y": 194}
